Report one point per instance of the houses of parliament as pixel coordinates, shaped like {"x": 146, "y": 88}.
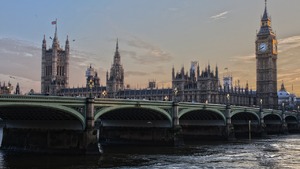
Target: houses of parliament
{"x": 197, "y": 85}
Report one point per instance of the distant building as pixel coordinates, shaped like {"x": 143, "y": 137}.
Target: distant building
{"x": 197, "y": 85}
{"x": 55, "y": 66}
{"x": 92, "y": 86}
{"x": 286, "y": 99}
{"x": 6, "y": 89}
{"x": 194, "y": 86}
{"x": 92, "y": 78}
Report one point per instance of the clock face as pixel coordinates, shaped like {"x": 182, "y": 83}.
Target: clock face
{"x": 263, "y": 47}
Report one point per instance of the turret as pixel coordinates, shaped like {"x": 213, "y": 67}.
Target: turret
{"x": 173, "y": 73}
{"x": 67, "y": 47}
{"x": 198, "y": 70}
{"x": 17, "y": 89}
{"x": 217, "y": 72}
{"x": 265, "y": 28}
{"x": 55, "y": 43}
{"x": 44, "y": 45}
{"x": 117, "y": 58}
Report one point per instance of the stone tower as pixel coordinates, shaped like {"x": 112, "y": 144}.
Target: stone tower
{"x": 92, "y": 77}
{"x": 266, "y": 66}
{"x": 55, "y": 66}
{"x": 115, "y": 79}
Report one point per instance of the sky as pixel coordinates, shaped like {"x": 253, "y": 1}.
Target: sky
{"x": 154, "y": 36}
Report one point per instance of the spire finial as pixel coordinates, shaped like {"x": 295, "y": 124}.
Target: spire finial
{"x": 265, "y": 15}
{"x": 117, "y": 44}
{"x": 55, "y": 35}
{"x": 265, "y": 3}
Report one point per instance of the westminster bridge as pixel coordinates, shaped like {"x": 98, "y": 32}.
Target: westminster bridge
{"x": 51, "y": 123}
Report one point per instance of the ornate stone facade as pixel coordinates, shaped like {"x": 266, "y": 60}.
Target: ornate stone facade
{"x": 55, "y": 66}
{"x": 205, "y": 86}
{"x": 115, "y": 79}
{"x": 6, "y": 89}
{"x": 266, "y": 64}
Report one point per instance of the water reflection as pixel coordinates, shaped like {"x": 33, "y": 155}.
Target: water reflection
{"x": 276, "y": 152}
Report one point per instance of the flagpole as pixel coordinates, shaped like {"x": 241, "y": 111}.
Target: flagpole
{"x": 56, "y": 27}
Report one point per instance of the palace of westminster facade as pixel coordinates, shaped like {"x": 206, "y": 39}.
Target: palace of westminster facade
{"x": 195, "y": 86}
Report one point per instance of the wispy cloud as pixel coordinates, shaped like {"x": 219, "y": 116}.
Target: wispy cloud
{"x": 135, "y": 73}
{"x": 219, "y": 16}
{"x": 150, "y": 53}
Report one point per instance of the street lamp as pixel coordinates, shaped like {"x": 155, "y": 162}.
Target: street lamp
{"x": 175, "y": 93}
{"x": 91, "y": 85}
{"x": 166, "y": 98}
{"x": 260, "y": 107}
{"x": 104, "y": 93}
{"x": 228, "y": 97}
{"x": 228, "y": 100}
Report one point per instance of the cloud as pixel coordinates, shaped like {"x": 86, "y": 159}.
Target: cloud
{"x": 135, "y": 73}
{"x": 173, "y": 9}
{"x": 243, "y": 59}
{"x": 128, "y": 53}
{"x": 149, "y": 54}
{"x": 288, "y": 43}
{"x": 219, "y": 16}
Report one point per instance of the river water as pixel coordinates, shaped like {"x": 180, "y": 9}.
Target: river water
{"x": 274, "y": 152}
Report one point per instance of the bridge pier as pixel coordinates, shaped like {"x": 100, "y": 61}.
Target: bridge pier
{"x": 46, "y": 141}
{"x": 91, "y": 143}
{"x": 284, "y": 127}
{"x": 229, "y": 127}
{"x": 176, "y": 128}
{"x": 262, "y": 125}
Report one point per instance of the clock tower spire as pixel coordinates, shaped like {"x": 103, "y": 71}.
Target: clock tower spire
{"x": 266, "y": 63}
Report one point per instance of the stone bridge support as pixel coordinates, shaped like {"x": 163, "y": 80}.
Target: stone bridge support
{"x": 262, "y": 125}
{"x": 176, "y": 128}
{"x": 284, "y": 126}
{"x": 90, "y": 141}
{"x": 229, "y": 127}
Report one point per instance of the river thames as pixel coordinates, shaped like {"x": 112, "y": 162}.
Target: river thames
{"x": 272, "y": 152}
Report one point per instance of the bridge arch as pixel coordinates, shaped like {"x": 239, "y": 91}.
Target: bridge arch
{"x": 207, "y": 116}
{"x": 272, "y": 116}
{"x": 29, "y": 111}
{"x": 144, "y": 114}
{"x": 251, "y": 113}
{"x": 242, "y": 117}
{"x": 291, "y": 118}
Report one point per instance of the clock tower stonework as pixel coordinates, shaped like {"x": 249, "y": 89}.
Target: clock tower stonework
{"x": 266, "y": 64}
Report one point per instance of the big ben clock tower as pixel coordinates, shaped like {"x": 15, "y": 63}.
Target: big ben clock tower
{"x": 266, "y": 64}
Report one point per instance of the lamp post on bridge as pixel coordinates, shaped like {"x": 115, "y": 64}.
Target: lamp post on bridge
{"x": 91, "y": 85}
{"x": 229, "y": 127}
{"x": 262, "y": 121}
{"x": 175, "y": 91}
{"x": 104, "y": 93}
{"x": 228, "y": 101}
{"x": 260, "y": 105}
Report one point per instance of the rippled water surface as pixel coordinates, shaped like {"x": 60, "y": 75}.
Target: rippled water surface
{"x": 275, "y": 152}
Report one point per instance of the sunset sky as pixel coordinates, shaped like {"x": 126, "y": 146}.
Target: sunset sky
{"x": 153, "y": 37}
